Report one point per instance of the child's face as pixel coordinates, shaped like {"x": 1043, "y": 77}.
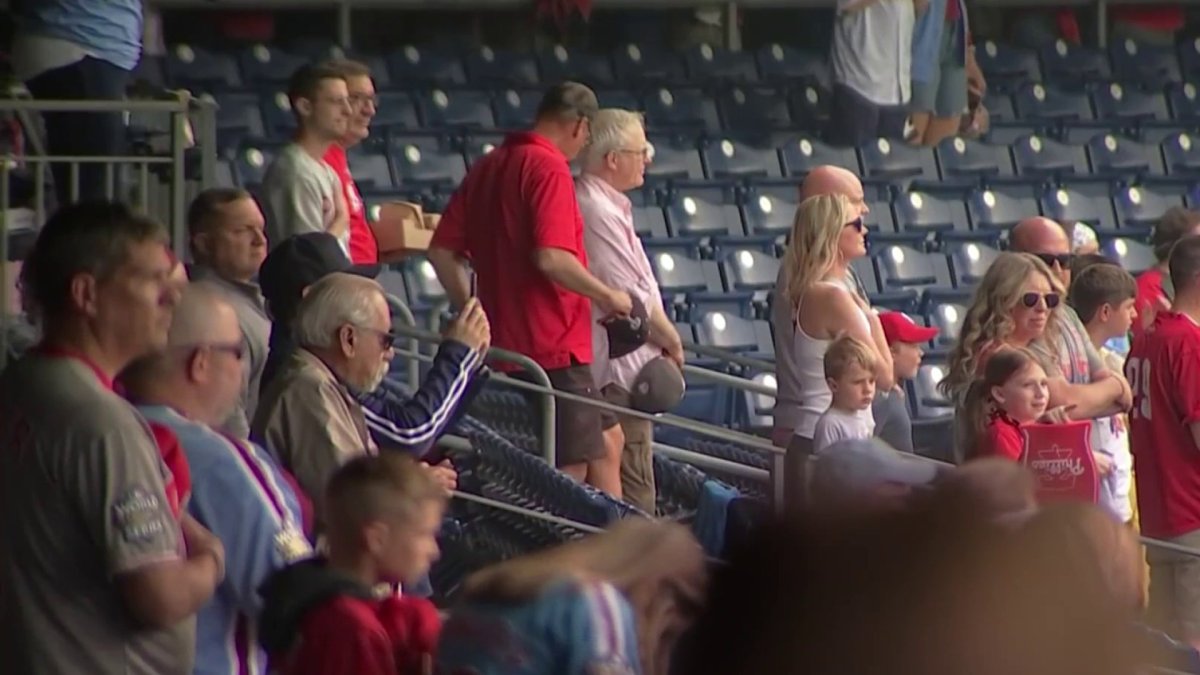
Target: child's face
{"x": 1025, "y": 395}
{"x": 1118, "y": 319}
{"x": 410, "y": 546}
{"x": 855, "y": 389}
{"x": 906, "y": 359}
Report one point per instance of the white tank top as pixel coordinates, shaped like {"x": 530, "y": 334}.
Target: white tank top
{"x": 809, "y": 356}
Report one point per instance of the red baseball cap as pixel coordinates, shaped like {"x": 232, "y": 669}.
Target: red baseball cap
{"x": 897, "y": 327}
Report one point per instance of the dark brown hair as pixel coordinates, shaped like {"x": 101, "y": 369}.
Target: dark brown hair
{"x": 1001, "y": 366}
{"x": 348, "y": 68}
{"x": 306, "y": 82}
{"x": 568, "y": 101}
{"x": 1098, "y": 285}
{"x": 1172, "y": 227}
{"x": 206, "y": 206}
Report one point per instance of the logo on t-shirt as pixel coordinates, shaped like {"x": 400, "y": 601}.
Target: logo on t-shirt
{"x": 137, "y": 516}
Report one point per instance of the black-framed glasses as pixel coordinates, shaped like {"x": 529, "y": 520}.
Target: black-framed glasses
{"x": 857, "y": 224}
{"x": 1063, "y": 259}
{"x": 387, "y": 339}
{"x": 361, "y": 99}
{"x": 1030, "y": 300}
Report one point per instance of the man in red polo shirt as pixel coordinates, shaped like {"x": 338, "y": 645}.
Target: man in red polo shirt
{"x": 363, "y": 248}
{"x": 516, "y": 220}
{"x": 1164, "y": 426}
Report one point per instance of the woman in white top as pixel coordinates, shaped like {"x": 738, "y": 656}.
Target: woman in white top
{"x": 826, "y": 236}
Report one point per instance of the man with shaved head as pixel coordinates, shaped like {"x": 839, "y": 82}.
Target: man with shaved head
{"x": 823, "y": 180}
{"x": 238, "y": 491}
{"x": 1085, "y": 383}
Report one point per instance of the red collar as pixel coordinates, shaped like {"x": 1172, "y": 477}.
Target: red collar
{"x": 59, "y": 352}
{"x": 534, "y": 138}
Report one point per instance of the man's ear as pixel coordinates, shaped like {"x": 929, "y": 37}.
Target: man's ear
{"x": 83, "y": 291}
{"x": 197, "y": 365}
{"x": 302, "y": 106}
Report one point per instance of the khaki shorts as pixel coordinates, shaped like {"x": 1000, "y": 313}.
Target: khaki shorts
{"x": 1175, "y": 588}
{"x": 578, "y": 427}
{"x": 637, "y": 457}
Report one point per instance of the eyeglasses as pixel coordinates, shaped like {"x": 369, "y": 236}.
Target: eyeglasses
{"x": 857, "y": 224}
{"x": 644, "y": 152}
{"x": 1030, "y": 300}
{"x": 361, "y": 99}
{"x": 235, "y": 349}
{"x": 387, "y": 339}
{"x": 1063, "y": 259}
{"x": 339, "y": 101}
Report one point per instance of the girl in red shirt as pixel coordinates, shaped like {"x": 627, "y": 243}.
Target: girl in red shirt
{"x": 1013, "y": 391}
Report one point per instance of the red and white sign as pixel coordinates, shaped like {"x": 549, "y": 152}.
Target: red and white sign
{"x": 1060, "y": 457}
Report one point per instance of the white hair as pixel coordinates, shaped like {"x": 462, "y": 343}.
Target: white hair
{"x": 610, "y": 131}
{"x": 335, "y": 301}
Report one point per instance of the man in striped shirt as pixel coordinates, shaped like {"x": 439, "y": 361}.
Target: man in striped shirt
{"x": 238, "y": 491}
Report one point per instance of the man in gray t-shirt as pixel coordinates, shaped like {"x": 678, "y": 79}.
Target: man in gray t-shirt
{"x": 300, "y": 192}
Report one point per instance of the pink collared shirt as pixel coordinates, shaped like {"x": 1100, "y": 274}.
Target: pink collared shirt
{"x": 616, "y": 257}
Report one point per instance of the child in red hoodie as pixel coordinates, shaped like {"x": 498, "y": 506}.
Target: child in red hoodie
{"x": 327, "y": 616}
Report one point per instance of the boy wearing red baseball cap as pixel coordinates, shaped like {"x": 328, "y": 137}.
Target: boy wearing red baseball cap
{"x": 893, "y": 423}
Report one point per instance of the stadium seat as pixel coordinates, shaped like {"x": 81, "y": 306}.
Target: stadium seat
{"x": 747, "y": 270}
{"x": 239, "y": 117}
{"x": 251, "y": 163}
{"x": 268, "y": 66}
{"x": 476, "y": 145}
{"x": 674, "y": 158}
{"x": 1189, "y": 59}
{"x": 1128, "y": 103}
{"x": 749, "y": 109}
{"x": 928, "y": 402}
{"x": 395, "y": 110}
{"x": 1044, "y": 102}
{"x": 1073, "y": 204}
{"x": 424, "y": 289}
{"x": 1007, "y": 68}
{"x": 515, "y": 109}
{"x": 1181, "y": 154}
{"x": 694, "y": 216}
{"x": 642, "y": 63}
{"x": 680, "y": 109}
{"x": 735, "y": 334}
{"x": 1121, "y": 158}
{"x": 456, "y": 109}
{"x": 1068, "y": 64}
{"x": 947, "y": 317}
{"x": 969, "y": 262}
{"x": 426, "y": 163}
{"x": 706, "y": 63}
{"x": 1041, "y": 157}
{"x": 999, "y": 106}
{"x": 278, "y": 118}
{"x": 780, "y": 63}
{"x": 727, "y": 158}
{"x": 810, "y": 106}
{"x": 560, "y": 63}
{"x": 1184, "y": 102}
{"x": 650, "y": 222}
{"x": 679, "y": 276}
{"x": 962, "y": 160}
{"x": 804, "y": 154}
{"x": 1150, "y": 65}
{"x": 769, "y": 213}
{"x": 491, "y": 67}
{"x": 924, "y": 213}
{"x": 904, "y": 268}
{"x": 997, "y": 209}
{"x": 201, "y": 70}
{"x": 1141, "y": 206}
{"x": 896, "y": 161}
{"x": 411, "y": 65}
{"x": 371, "y": 170}
{"x": 1134, "y": 256}
{"x": 618, "y": 98}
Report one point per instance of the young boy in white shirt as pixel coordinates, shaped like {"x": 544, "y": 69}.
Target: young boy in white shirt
{"x": 850, "y": 372}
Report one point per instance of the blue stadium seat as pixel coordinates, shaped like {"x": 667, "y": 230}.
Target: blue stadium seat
{"x": 810, "y": 105}
{"x": 674, "y": 158}
{"x": 1189, "y": 59}
{"x": 1071, "y": 64}
{"x": 962, "y": 159}
{"x": 618, "y": 98}
{"x": 642, "y": 63}
{"x": 780, "y": 63}
{"x": 805, "y": 154}
{"x": 395, "y": 110}
{"x": 1141, "y": 206}
{"x": 727, "y": 158}
{"x": 426, "y": 163}
{"x": 226, "y": 175}
{"x": 251, "y": 163}
{"x": 650, "y": 222}
{"x": 201, "y": 70}
{"x": 371, "y": 169}
{"x": 1122, "y": 158}
{"x": 694, "y": 216}
{"x": 1074, "y": 204}
{"x": 1184, "y": 102}
{"x": 969, "y": 262}
{"x": 1134, "y": 256}
{"x": 684, "y": 109}
{"x": 928, "y": 402}
{"x": 753, "y": 109}
{"x": 424, "y": 289}
{"x": 477, "y": 145}
{"x": 947, "y": 317}
{"x": 864, "y": 270}
{"x": 456, "y": 109}
{"x": 239, "y": 116}
{"x": 747, "y": 270}
{"x": 924, "y": 213}
{"x": 268, "y": 66}
{"x": 1181, "y": 154}
{"x": 706, "y": 63}
{"x": 1128, "y": 103}
{"x": 515, "y": 109}
{"x": 412, "y": 65}
{"x": 879, "y": 219}
{"x": 769, "y": 213}
{"x": 489, "y": 67}
{"x": 1041, "y": 157}
{"x": 323, "y": 50}
{"x": 998, "y": 209}
{"x": 392, "y": 280}
{"x": 679, "y": 276}
{"x": 896, "y": 161}
{"x": 278, "y": 118}
{"x": 1151, "y": 65}
{"x": 904, "y": 268}
{"x": 560, "y": 63}
{"x": 1045, "y": 102}
{"x": 1007, "y": 133}
{"x": 1006, "y": 67}
{"x": 999, "y": 106}
{"x": 735, "y": 334}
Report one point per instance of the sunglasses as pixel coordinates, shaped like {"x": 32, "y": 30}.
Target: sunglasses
{"x": 387, "y": 339}
{"x": 1030, "y": 300}
{"x": 1063, "y": 259}
{"x": 857, "y": 224}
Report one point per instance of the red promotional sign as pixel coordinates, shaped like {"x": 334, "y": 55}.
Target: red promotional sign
{"x": 1060, "y": 457}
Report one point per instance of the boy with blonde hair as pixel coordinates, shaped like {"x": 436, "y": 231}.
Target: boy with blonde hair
{"x": 850, "y": 372}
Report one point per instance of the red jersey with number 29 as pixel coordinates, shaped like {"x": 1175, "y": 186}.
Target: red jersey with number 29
{"x": 1163, "y": 369}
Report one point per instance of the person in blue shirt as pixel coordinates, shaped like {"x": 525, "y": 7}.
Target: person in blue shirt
{"x": 238, "y": 491}
{"x": 613, "y": 604}
{"x": 79, "y": 50}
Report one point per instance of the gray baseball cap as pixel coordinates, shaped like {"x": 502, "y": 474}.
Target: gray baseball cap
{"x": 658, "y": 387}
{"x": 848, "y": 468}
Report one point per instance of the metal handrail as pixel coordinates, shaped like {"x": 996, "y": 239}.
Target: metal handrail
{"x": 731, "y": 357}
{"x": 729, "y": 380}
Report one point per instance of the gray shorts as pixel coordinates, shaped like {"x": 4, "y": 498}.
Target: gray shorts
{"x": 945, "y": 95}
{"x": 1175, "y": 588}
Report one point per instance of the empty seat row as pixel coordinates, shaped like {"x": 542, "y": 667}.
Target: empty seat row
{"x": 1008, "y": 67}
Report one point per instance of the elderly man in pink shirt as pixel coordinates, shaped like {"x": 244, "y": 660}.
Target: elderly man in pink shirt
{"x": 614, "y": 163}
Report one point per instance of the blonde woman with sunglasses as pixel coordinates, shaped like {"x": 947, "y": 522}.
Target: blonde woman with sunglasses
{"x": 827, "y": 234}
